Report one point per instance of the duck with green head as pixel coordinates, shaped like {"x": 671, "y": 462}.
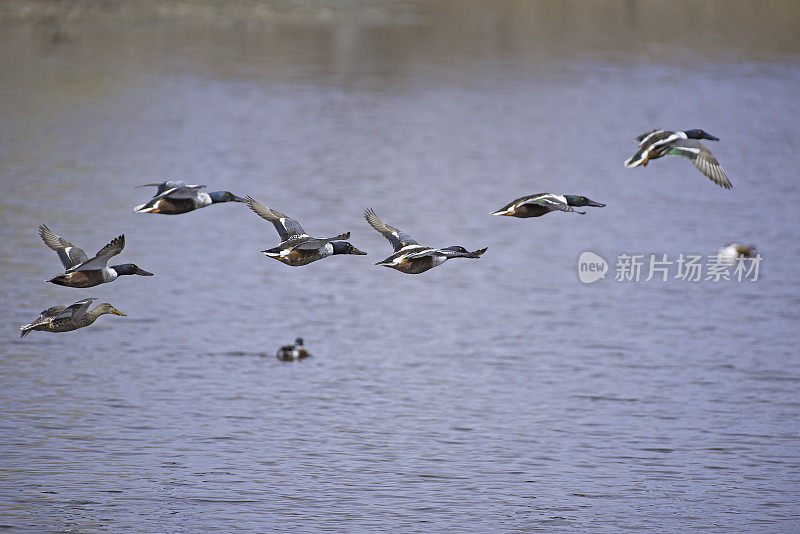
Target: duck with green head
{"x": 82, "y": 271}
{"x": 543, "y": 203}
{"x": 659, "y": 143}
{"x": 409, "y": 256}
{"x": 174, "y": 197}
{"x": 297, "y": 247}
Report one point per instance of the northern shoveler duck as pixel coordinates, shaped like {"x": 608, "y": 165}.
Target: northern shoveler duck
{"x": 543, "y": 203}
{"x": 737, "y": 251}
{"x": 658, "y": 143}
{"x": 409, "y": 256}
{"x": 81, "y": 271}
{"x": 175, "y": 196}
{"x": 290, "y": 353}
{"x": 297, "y": 247}
{"x": 66, "y": 318}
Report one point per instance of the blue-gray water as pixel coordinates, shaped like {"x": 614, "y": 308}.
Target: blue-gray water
{"x": 490, "y": 395}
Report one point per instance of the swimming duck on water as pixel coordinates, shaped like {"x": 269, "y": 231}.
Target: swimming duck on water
{"x": 82, "y": 271}
{"x": 658, "y": 143}
{"x": 409, "y": 256}
{"x": 67, "y": 318}
{"x": 297, "y": 247}
{"x": 290, "y": 353}
{"x": 737, "y": 251}
{"x": 175, "y": 197}
{"x": 543, "y": 203}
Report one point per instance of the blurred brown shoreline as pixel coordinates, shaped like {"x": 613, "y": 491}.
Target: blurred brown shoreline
{"x": 741, "y": 29}
{"x": 222, "y": 13}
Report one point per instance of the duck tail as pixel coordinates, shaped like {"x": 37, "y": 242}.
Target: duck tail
{"x": 147, "y": 207}
{"x": 640, "y": 158}
{"x": 60, "y": 280}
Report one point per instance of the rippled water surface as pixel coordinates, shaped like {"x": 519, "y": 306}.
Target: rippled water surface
{"x": 490, "y": 395}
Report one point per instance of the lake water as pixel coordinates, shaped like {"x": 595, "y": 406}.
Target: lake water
{"x": 491, "y": 395}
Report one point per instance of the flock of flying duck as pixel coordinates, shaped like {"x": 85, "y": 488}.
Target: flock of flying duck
{"x": 298, "y": 248}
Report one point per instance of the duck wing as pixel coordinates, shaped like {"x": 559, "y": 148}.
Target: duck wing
{"x": 645, "y": 135}
{"x": 703, "y": 159}
{"x": 427, "y": 251}
{"x": 100, "y": 261}
{"x": 163, "y": 186}
{"x": 52, "y": 311}
{"x": 550, "y": 201}
{"x": 173, "y": 189}
{"x": 397, "y": 238}
{"x": 74, "y": 312}
{"x": 445, "y": 252}
{"x": 318, "y": 242}
{"x": 286, "y": 226}
{"x": 44, "y": 318}
{"x": 186, "y": 191}
{"x": 650, "y": 142}
{"x": 69, "y": 254}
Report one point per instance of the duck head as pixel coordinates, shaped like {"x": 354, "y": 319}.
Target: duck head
{"x": 224, "y": 196}
{"x": 700, "y": 134}
{"x": 344, "y": 247}
{"x": 579, "y": 200}
{"x": 457, "y": 251}
{"x": 108, "y": 308}
{"x": 130, "y": 268}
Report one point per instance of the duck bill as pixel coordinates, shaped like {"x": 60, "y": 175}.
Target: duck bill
{"x": 595, "y": 204}
{"x": 142, "y": 272}
{"x": 476, "y": 253}
{"x": 455, "y": 254}
{"x": 238, "y": 198}
{"x": 711, "y": 137}
{"x": 358, "y": 252}
{"x": 117, "y": 312}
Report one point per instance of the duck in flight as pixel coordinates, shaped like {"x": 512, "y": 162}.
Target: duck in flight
{"x": 409, "y": 256}
{"x": 297, "y": 247}
{"x": 543, "y": 203}
{"x": 175, "y": 197}
{"x": 82, "y": 271}
{"x": 66, "y": 318}
{"x": 658, "y": 143}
